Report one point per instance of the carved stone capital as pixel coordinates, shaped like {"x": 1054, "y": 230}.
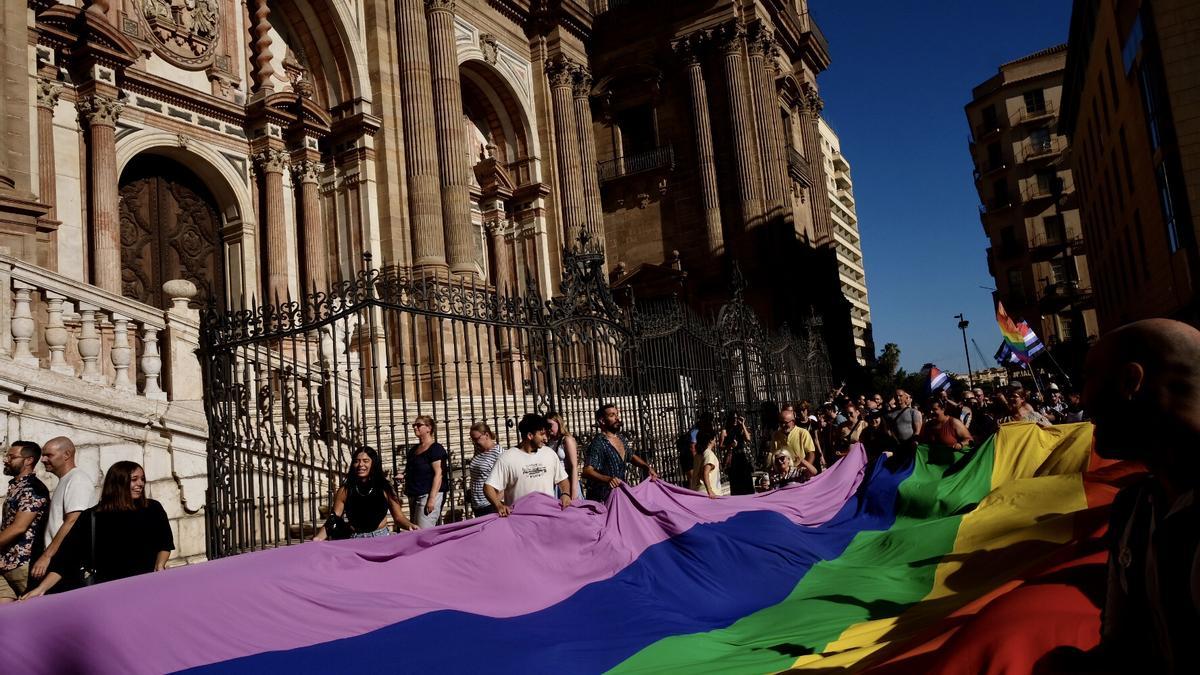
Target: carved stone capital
{"x": 439, "y": 6}
{"x": 582, "y": 83}
{"x": 47, "y": 93}
{"x": 730, "y": 36}
{"x": 811, "y": 101}
{"x": 308, "y": 171}
{"x": 271, "y": 161}
{"x": 561, "y": 71}
{"x": 99, "y": 110}
{"x": 689, "y": 49}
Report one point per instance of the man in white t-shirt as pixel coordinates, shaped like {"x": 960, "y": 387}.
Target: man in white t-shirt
{"x": 75, "y": 493}
{"x": 530, "y": 467}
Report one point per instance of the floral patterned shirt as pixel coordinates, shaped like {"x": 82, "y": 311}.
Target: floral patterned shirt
{"x": 603, "y": 457}
{"x": 24, "y": 494}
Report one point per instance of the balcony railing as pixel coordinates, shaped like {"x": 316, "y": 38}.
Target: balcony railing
{"x": 1058, "y": 295}
{"x": 1041, "y": 150}
{"x": 54, "y": 323}
{"x": 983, "y": 131}
{"x": 798, "y": 167}
{"x": 986, "y": 168}
{"x": 998, "y": 204}
{"x": 1031, "y": 113}
{"x": 658, "y": 158}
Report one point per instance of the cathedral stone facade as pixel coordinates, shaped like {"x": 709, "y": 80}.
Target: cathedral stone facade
{"x": 161, "y": 154}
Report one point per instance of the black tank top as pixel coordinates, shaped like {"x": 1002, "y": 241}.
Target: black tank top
{"x": 365, "y": 507}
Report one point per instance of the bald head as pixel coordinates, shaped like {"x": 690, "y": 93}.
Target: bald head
{"x": 1142, "y": 389}
{"x": 58, "y": 455}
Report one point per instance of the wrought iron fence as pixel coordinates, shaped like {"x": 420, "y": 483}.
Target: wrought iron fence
{"x": 292, "y": 388}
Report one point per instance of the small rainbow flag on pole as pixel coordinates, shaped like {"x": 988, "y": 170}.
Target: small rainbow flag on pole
{"x": 938, "y": 380}
{"x": 1020, "y": 344}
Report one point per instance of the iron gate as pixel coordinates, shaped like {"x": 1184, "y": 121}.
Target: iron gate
{"x": 292, "y": 388}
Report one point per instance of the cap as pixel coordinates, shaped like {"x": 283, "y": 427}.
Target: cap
{"x": 1053, "y": 387}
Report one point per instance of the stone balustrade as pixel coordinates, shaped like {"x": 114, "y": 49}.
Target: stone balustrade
{"x": 53, "y": 323}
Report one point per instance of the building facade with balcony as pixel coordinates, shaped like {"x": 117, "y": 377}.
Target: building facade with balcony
{"x": 1133, "y": 117}
{"x": 1028, "y": 201}
{"x": 159, "y": 156}
{"x": 847, "y": 242}
{"x": 709, "y": 150}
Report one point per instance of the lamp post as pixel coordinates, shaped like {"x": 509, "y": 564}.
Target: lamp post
{"x": 962, "y": 325}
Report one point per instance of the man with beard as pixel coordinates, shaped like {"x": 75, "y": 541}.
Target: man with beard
{"x": 609, "y": 455}
{"x": 24, "y": 518}
{"x": 1145, "y": 377}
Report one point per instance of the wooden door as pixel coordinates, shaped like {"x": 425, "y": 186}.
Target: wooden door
{"x": 170, "y": 229}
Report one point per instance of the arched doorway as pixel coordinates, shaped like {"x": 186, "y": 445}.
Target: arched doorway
{"x": 170, "y": 229}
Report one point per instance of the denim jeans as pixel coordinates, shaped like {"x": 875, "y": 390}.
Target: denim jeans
{"x": 381, "y": 532}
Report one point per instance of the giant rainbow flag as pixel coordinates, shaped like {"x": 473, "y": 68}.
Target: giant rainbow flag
{"x": 958, "y": 562}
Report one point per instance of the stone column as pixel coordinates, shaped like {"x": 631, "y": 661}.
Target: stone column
{"x": 561, "y": 72}
{"x": 47, "y": 93}
{"x": 451, "y": 140}
{"x": 100, "y": 115}
{"x": 762, "y": 74}
{"x": 810, "y": 114}
{"x": 504, "y": 280}
{"x": 730, "y": 38}
{"x": 316, "y": 251}
{"x": 271, "y": 164}
{"x": 14, "y": 85}
{"x": 420, "y": 136}
{"x": 689, "y": 51}
{"x": 594, "y": 210}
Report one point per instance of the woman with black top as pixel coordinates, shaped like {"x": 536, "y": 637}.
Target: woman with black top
{"x": 739, "y": 459}
{"x": 124, "y": 535}
{"x": 426, "y": 480}
{"x": 365, "y": 499}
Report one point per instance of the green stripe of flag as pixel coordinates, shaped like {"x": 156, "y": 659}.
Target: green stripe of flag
{"x": 879, "y": 575}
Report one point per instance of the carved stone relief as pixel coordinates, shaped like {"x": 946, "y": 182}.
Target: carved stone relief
{"x": 183, "y": 32}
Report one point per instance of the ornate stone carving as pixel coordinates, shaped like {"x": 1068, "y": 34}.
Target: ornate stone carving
{"x": 812, "y": 103}
{"x": 307, "y": 171}
{"x": 730, "y": 36}
{"x": 582, "y": 82}
{"x": 184, "y": 32}
{"x": 561, "y": 71}
{"x": 439, "y": 6}
{"x": 99, "y": 110}
{"x": 47, "y": 93}
{"x": 690, "y": 48}
{"x": 261, "y": 46}
{"x": 490, "y": 48}
{"x": 271, "y": 161}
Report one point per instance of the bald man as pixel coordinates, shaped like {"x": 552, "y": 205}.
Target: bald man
{"x": 75, "y": 493}
{"x": 1142, "y": 390}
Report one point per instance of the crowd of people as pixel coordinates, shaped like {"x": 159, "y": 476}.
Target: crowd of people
{"x": 1143, "y": 376}
{"x": 56, "y": 541}
{"x": 802, "y": 439}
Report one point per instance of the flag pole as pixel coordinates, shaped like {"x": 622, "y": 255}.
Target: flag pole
{"x": 1060, "y": 369}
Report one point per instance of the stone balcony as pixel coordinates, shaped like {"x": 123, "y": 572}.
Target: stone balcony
{"x": 118, "y": 377}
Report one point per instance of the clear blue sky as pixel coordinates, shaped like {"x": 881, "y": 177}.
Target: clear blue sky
{"x": 901, "y": 74}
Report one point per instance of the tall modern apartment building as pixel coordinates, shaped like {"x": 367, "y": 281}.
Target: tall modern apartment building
{"x": 1132, "y": 112}
{"x": 847, "y": 242}
{"x": 1028, "y": 203}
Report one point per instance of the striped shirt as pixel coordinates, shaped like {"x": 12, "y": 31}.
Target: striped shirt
{"x": 480, "y": 468}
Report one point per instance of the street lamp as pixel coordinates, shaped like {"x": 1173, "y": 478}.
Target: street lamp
{"x": 962, "y": 325}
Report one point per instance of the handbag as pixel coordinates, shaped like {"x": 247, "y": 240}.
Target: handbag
{"x": 336, "y": 527}
{"x": 87, "y": 572}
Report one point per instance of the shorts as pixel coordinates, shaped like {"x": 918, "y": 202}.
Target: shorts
{"x": 381, "y": 532}
{"x": 481, "y": 511}
{"x": 14, "y": 582}
{"x": 417, "y": 510}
